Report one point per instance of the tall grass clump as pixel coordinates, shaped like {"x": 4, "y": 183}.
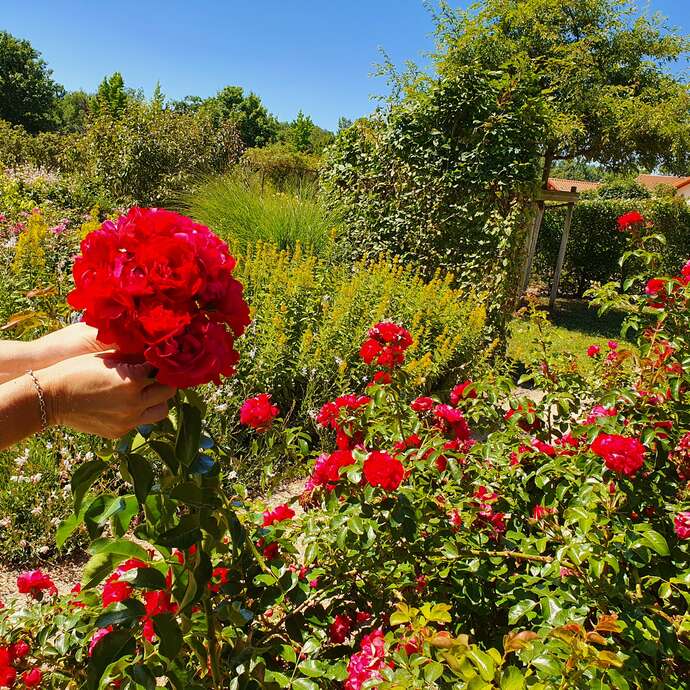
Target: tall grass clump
{"x": 244, "y": 211}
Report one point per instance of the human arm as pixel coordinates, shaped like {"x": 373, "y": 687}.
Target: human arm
{"x": 16, "y": 357}
{"x": 93, "y": 393}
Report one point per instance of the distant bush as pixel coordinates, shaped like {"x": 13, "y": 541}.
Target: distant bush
{"x": 619, "y": 189}
{"x": 281, "y": 164}
{"x": 595, "y": 246}
{"x": 146, "y": 155}
{"x": 243, "y": 211}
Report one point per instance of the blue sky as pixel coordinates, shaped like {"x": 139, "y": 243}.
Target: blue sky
{"x": 308, "y": 54}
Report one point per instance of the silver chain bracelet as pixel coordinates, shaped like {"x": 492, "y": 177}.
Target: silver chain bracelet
{"x": 41, "y": 400}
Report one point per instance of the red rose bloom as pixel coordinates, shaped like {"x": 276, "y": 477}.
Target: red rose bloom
{"x": 380, "y": 469}
{"x": 97, "y": 637}
{"x": 219, "y": 577}
{"x": 629, "y": 219}
{"x": 278, "y": 514}
{"x": 326, "y": 471}
{"x": 681, "y": 525}
{"x": 386, "y": 345}
{"x": 20, "y": 649}
{"x": 115, "y": 591}
{"x": 258, "y": 413}
{"x": 593, "y": 350}
{"x": 34, "y": 583}
{"x": 620, "y": 454}
{"x": 462, "y": 391}
{"x": 339, "y": 629}
{"x": 422, "y": 404}
{"x": 32, "y": 678}
{"x": 7, "y": 676}
{"x": 159, "y": 286}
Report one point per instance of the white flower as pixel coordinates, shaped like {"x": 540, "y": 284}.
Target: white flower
{"x": 88, "y": 456}
{"x": 37, "y": 511}
{"x": 44, "y": 550}
{"x": 36, "y": 478}
{"x": 221, "y": 407}
{"x": 5, "y": 523}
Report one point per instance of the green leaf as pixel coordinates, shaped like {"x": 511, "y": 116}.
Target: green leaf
{"x": 83, "y": 478}
{"x": 512, "y": 679}
{"x": 169, "y": 634}
{"x": 433, "y": 671}
{"x": 519, "y": 610}
{"x": 656, "y": 542}
{"x": 109, "y": 649}
{"x": 304, "y": 684}
{"x": 68, "y": 526}
{"x": 145, "y": 578}
{"x": 142, "y": 476}
{"x": 166, "y": 453}
{"x": 99, "y": 567}
{"x": 125, "y": 547}
{"x": 483, "y": 662}
{"x": 189, "y": 436}
{"x": 193, "y": 495}
{"x": 124, "y": 612}
{"x": 184, "y": 535}
{"x": 143, "y": 676}
{"x": 547, "y": 664}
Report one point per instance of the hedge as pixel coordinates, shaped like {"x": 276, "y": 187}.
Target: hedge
{"x": 595, "y": 245}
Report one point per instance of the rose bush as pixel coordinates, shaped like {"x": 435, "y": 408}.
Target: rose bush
{"x": 489, "y": 542}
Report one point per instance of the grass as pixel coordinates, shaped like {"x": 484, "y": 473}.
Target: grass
{"x": 575, "y": 328}
{"x": 242, "y": 211}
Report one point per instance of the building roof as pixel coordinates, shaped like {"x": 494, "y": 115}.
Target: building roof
{"x": 652, "y": 181}
{"x": 560, "y": 184}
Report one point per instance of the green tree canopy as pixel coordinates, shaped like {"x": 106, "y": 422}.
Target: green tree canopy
{"x": 74, "y": 108}
{"x": 256, "y": 125}
{"x": 28, "y": 94}
{"x": 603, "y": 68}
{"x": 111, "y": 96}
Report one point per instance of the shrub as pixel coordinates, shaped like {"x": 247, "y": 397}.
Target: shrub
{"x": 281, "y": 164}
{"x": 308, "y": 317}
{"x": 547, "y": 549}
{"x": 243, "y": 211}
{"x": 147, "y": 155}
{"x": 438, "y": 179}
{"x": 595, "y": 247}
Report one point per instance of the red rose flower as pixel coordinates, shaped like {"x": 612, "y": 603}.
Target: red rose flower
{"x": 32, "y": 678}
{"x": 97, "y": 637}
{"x": 620, "y": 454}
{"x": 386, "y": 345}
{"x": 422, "y": 404}
{"x": 593, "y": 350}
{"x": 462, "y": 391}
{"x": 339, "y": 629}
{"x": 258, "y": 413}
{"x": 380, "y": 469}
{"x": 278, "y": 514}
{"x": 627, "y": 220}
{"x": 452, "y": 420}
{"x": 115, "y": 591}
{"x": 7, "y": 676}
{"x": 326, "y": 471}
{"x": 219, "y": 577}
{"x": 159, "y": 286}
{"x": 155, "y": 602}
{"x": 681, "y": 525}
{"x": 19, "y": 649}
{"x": 34, "y": 583}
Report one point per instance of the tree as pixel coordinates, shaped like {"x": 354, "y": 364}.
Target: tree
{"x": 256, "y": 125}
{"x": 28, "y": 94}
{"x": 299, "y": 133}
{"x": 343, "y": 123}
{"x": 74, "y": 108}
{"x": 111, "y": 96}
{"x": 186, "y": 105}
{"x": 578, "y": 169}
{"x": 158, "y": 97}
{"x": 603, "y": 71}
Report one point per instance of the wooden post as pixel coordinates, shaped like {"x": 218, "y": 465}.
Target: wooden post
{"x": 532, "y": 246}
{"x": 561, "y": 253}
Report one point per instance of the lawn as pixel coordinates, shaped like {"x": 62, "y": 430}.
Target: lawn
{"x": 576, "y": 326}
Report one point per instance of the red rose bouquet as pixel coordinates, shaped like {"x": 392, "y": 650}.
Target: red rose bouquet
{"x": 159, "y": 286}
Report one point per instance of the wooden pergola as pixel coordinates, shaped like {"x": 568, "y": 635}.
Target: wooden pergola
{"x": 559, "y": 199}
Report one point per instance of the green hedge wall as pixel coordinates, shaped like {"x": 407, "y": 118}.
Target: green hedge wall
{"x": 595, "y": 245}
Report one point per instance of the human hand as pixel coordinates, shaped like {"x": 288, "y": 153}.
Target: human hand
{"x": 97, "y": 393}
{"x": 71, "y": 341}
